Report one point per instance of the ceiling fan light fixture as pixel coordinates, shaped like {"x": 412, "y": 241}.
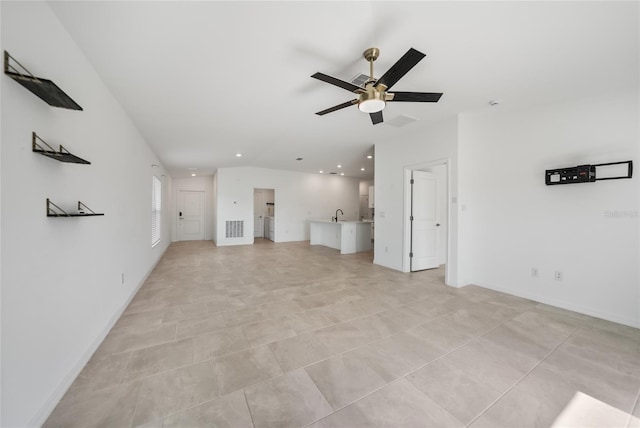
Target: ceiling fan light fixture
{"x": 372, "y": 100}
{"x": 371, "y": 106}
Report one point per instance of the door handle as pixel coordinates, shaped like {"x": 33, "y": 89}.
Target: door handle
{"x": 437, "y": 224}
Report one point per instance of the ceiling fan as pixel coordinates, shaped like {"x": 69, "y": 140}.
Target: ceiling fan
{"x": 373, "y": 96}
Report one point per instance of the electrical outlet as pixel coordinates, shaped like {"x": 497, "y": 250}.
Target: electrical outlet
{"x": 558, "y": 276}
{"x": 534, "y": 272}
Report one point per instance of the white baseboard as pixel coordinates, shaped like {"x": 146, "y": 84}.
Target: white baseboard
{"x": 376, "y": 262}
{"x": 564, "y": 305}
{"x": 45, "y": 411}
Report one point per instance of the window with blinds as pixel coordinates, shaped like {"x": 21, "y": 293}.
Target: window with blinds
{"x": 156, "y": 210}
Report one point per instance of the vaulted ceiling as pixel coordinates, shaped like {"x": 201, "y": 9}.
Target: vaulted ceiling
{"x": 205, "y": 80}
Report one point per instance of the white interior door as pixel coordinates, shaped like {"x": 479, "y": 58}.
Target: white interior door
{"x": 258, "y": 214}
{"x": 190, "y": 215}
{"x": 424, "y": 221}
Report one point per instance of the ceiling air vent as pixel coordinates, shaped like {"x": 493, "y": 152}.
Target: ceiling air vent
{"x": 401, "y": 120}
{"x": 359, "y": 79}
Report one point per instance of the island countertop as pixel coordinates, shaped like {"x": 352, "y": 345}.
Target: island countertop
{"x": 348, "y": 236}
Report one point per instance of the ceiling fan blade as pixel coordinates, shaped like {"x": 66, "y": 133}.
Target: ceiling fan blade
{"x": 418, "y": 97}
{"x": 400, "y": 68}
{"x": 376, "y": 117}
{"x": 337, "y": 82}
{"x": 338, "y": 107}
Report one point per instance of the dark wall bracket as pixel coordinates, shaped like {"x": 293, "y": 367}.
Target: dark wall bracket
{"x": 45, "y": 89}
{"x": 38, "y": 145}
{"x": 587, "y": 173}
{"x": 54, "y": 210}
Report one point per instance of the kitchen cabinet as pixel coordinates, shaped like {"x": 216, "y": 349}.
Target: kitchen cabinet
{"x": 347, "y": 236}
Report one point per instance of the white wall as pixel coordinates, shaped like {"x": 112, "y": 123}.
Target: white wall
{"x": 439, "y": 142}
{"x": 298, "y": 198}
{"x": 61, "y": 277}
{"x": 518, "y": 222}
{"x": 363, "y": 185}
{"x": 203, "y": 184}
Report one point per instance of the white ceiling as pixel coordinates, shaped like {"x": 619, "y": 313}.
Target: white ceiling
{"x": 206, "y": 80}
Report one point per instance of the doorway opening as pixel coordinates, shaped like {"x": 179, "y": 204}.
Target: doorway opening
{"x": 426, "y": 242}
{"x": 264, "y": 214}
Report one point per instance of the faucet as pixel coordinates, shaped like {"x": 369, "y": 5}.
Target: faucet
{"x": 337, "y": 214}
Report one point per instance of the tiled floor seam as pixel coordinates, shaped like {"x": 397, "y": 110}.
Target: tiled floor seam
{"x": 135, "y": 408}
{"x": 516, "y": 383}
{"x": 246, "y": 400}
{"x": 140, "y": 379}
{"x": 371, "y": 393}
{"x": 388, "y": 383}
{"x": 635, "y": 405}
{"x": 466, "y": 342}
{"x": 185, "y": 409}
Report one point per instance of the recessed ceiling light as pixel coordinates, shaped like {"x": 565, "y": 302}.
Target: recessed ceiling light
{"x": 339, "y": 166}
{"x": 298, "y": 159}
{"x": 342, "y": 173}
{"x": 193, "y": 175}
{"x": 494, "y": 103}
{"x": 369, "y": 157}
{"x": 361, "y": 169}
{"x": 321, "y": 172}
{"x": 239, "y": 155}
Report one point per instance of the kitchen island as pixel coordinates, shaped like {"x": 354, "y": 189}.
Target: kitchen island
{"x": 347, "y": 236}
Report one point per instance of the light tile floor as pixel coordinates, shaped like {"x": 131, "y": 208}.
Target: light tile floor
{"x": 289, "y": 335}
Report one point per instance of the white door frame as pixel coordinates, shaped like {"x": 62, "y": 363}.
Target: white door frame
{"x": 406, "y": 247}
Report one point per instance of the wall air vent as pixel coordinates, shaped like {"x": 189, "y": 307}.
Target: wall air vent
{"x": 234, "y": 229}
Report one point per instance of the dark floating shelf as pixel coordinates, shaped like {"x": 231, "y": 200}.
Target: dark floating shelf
{"x": 83, "y": 211}
{"x": 45, "y": 89}
{"x": 585, "y": 173}
{"x": 63, "y": 155}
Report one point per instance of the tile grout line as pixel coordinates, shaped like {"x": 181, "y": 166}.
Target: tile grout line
{"x": 635, "y": 404}
{"x": 246, "y": 400}
{"x": 284, "y": 372}
{"x": 368, "y": 343}
{"x": 135, "y": 408}
{"x": 466, "y": 342}
{"x": 516, "y": 383}
{"x": 397, "y": 379}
